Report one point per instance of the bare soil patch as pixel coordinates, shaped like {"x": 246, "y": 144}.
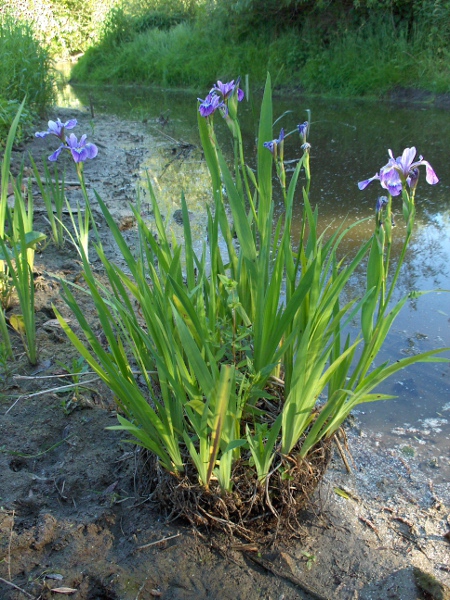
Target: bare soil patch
{"x": 76, "y": 512}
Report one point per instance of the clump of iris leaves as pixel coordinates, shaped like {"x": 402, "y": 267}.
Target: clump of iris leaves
{"x": 196, "y": 344}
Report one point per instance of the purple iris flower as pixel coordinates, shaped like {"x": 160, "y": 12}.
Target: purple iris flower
{"x": 81, "y": 150}
{"x": 57, "y": 128}
{"x": 382, "y": 201}
{"x": 209, "y": 105}
{"x": 226, "y": 89}
{"x": 400, "y": 170}
{"x": 272, "y": 146}
{"x": 303, "y": 130}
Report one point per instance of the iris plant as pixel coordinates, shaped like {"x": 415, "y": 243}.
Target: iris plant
{"x": 219, "y": 97}
{"x": 210, "y": 332}
{"x": 226, "y": 89}
{"x": 274, "y": 144}
{"x": 401, "y": 170}
{"x": 209, "y": 105}
{"x": 276, "y": 147}
{"x": 81, "y": 150}
{"x": 57, "y": 128}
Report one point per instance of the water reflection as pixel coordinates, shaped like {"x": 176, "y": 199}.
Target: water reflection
{"x": 349, "y": 141}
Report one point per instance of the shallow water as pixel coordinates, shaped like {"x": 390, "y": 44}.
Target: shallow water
{"x": 349, "y": 142}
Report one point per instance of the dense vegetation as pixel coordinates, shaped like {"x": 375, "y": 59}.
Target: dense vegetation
{"x": 349, "y": 47}
{"x": 66, "y": 27}
{"x": 25, "y": 73}
{"x": 354, "y": 47}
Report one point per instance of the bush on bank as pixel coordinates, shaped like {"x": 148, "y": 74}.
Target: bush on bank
{"x": 363, "y": 48}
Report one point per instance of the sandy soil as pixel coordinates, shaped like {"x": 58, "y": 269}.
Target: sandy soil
{"x": 76, "y": 518}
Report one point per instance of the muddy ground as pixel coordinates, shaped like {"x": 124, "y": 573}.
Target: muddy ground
{"x": 76, "y": 517}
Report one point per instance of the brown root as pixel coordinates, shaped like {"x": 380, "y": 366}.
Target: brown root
{"x": 252, "y": 511}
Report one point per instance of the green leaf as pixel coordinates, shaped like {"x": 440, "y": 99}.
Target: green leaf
{"x": 264, "y": 158}
{"x": 222, "y": 395}
{"x": 341, "y": 492}
{"x": 5, "y": 168}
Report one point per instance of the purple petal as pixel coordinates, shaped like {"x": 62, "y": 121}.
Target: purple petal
{"x": 55, "y": 127}
{"x": 209, "y": 104}
{"x": 205, "y": 110}
{"x": 393, "y": 187}
{"x": 56, "y": 153}
{"x": 79, "y": 154}
{"x": 363, "y": 184}
{"x": 407, "y": 159}
{"x": 72, "y": 141}
{"x": 70, "y": 124}
{"x": 270, "y": 145}
{"x": 431, "y": 176}
{"x": 382, "y": 201}
{"x": 303, "y": 129}
{"x": 92, "y": 150}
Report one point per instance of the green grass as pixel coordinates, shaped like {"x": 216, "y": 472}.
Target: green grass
{"x": 369, "y": 60}
{"x": 26, "y": 71}
{"x": 373, "y": 61}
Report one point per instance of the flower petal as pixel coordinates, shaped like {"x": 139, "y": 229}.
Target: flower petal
{"x": 56, "y": 153}
{"x": 70, "y": 124}
{"x": 270, "y": 145}
{"x": 407, "y": 159}
{"x": 92, "y": 150}
{"x": 363, "y": 184}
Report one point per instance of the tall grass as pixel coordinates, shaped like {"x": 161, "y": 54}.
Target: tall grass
{"x": 25, "y": 65}
{"x": 18, "y": 241}
{"x": 367, "y": 57}
{"x": 374, "y": 60}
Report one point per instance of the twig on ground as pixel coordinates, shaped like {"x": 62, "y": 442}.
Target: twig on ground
{"x": 56, "y": 390}
{"x": 342, "y": 454}
{"x": 9, "y": 545}
{"x": 371, "y": 525}
{"x": 16, "y": 587}
{"x": 170, "y": 537}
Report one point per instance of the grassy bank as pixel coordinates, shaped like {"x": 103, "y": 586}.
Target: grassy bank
{"x": 360, "y": 55}
{"x": 26, "y": 72}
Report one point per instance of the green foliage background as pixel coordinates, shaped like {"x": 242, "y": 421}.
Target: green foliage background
{"x": 340, "y": 48}
{"x": 67, "y": 27}
{"x": 25, "y": 74}
{"x": 353, "y": 47}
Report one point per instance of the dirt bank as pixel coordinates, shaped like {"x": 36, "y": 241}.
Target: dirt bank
{"x": 76, "y": 515}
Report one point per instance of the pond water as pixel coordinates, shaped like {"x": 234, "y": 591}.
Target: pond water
{"x": 350, "y": 140}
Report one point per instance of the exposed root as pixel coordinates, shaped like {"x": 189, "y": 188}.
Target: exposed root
{"x": 253, "y": 511}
